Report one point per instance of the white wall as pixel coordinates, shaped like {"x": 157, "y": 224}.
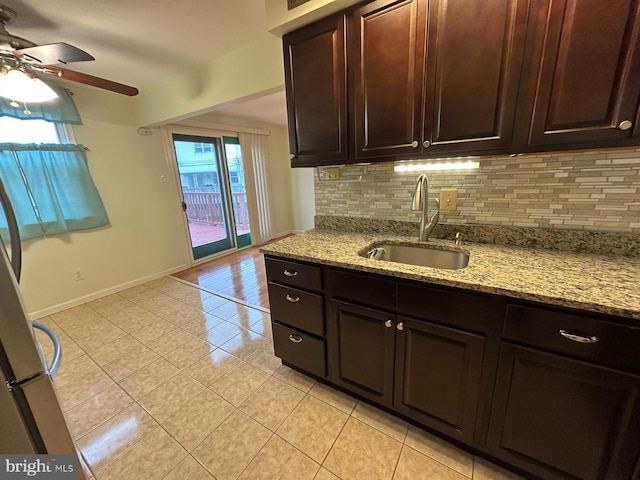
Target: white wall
{"x": 145, "y": 238}
{"x": 254, "y": 69}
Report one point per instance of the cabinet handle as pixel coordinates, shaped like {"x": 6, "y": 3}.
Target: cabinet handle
{"x": 625, "y": 125}
{"x": 400, "y": 326}
{"x": 295, "y": 338}
{"x": 415, "y": 144}
{"x": 292, "y": 299}
{"x": 426, "y": 144}
{"x": 290, "y": 273}
{"x": 292, "y": 156}
{"x": 388, "y": 323}
{"x": 578, "y": 338}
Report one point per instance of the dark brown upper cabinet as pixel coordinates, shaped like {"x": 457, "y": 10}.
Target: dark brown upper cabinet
{"x": 395, "y": 79}
{"x": 429, "y": 77}
{"x": 386, "y": 42}
{"x": 581, "y": 80}
{"x": 315, "y": 82}
{"x": 472, "y": 74}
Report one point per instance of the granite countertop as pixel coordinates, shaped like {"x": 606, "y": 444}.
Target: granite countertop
{"x": 598, "y": 283}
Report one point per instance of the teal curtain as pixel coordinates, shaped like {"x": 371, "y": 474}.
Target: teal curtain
{"x": 58, "y": 110}
{"x": 51, "y": 189}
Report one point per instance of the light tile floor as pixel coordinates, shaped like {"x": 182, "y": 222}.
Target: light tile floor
{"x": 167, "y": 381}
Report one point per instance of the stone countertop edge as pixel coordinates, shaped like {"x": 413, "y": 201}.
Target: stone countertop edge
{"x": 597, "y": 283}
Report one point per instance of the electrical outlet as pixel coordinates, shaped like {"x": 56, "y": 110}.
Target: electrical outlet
{"x": 332, "y": 173}
{"x": 77, "y": 275}
{"x": 449, "y": 199}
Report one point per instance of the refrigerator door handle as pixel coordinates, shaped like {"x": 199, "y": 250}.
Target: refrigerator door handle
{"x": 57, "y": 350}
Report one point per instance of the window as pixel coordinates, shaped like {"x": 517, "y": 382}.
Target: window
{"x": 46, "y": 176}
{"x": 14, "y": 130}
{"x": 202, "y": 148}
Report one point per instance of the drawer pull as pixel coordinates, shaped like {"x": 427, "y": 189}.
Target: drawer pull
{"x": 295, "y": 338}
{"x": 578, "y": 338}
{"x": 292, "y": 299}
{"x": 290, "y": 273}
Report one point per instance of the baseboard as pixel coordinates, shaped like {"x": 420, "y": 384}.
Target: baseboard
{"x": 102, "y": 293}
{"x": 285, "y": 233}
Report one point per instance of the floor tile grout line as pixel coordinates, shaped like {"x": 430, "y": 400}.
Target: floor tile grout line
{"x": 226, "y": 297}
{"x": 272, "y": 375}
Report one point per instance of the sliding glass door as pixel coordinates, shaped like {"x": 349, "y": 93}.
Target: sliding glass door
{"x": 213, "y": 193}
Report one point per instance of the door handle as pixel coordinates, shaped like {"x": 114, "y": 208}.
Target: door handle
{"x": 184, "y": 206}
{"x": 574, "y": 337}
{"x": 57, "y": 350}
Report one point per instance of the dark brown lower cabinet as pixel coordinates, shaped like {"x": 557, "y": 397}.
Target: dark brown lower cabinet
{"x": 437, "y": 376}
{"x": 361, "y": 350}
{"x": 562, "y": 418}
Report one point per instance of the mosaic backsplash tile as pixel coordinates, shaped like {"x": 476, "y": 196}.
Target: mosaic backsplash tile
{"x": 594, "y": 190}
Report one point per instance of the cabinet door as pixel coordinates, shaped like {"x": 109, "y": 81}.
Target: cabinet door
{"x": 315, "y": 81}
{"x": 385, "y": 39}
{"x": 438, "y": 376}
{"x": 583, "y": 82}
{"x": 360, "y": 343}
{"x": 561, "y": 418}
{"x": 472, "y": 73}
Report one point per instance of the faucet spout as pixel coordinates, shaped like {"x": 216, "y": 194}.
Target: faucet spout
{"x": 420, "y": 202}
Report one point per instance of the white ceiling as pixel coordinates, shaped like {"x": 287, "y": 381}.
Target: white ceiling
{"x": 142, "y": 42}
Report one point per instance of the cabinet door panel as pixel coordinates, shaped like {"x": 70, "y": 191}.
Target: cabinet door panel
{"x": 476, "y": 55}
{"x": 385, "y": 39}
{"x": 361, "y": 350}
{"x": 563, "y": 418}
{"x": 315, "y": 80}
{"x": 438, "y": 376}
{"x": 587, "y": 81}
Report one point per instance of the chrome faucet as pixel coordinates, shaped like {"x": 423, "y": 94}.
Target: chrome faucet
{"x": 421, "y": 202}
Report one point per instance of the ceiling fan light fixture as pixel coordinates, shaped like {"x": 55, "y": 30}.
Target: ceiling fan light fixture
{"x": 17, "y": 85}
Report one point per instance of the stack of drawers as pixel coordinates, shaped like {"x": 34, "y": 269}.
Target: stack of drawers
{"x": 297, "y": 314}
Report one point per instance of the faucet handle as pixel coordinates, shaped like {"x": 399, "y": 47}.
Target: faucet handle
{"x": 459, "y": 240}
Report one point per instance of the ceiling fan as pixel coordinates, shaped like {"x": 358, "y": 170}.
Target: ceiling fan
{"x": 41, "y": 61}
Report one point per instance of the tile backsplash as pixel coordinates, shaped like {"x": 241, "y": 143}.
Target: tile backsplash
{"x": 595, "y": 190}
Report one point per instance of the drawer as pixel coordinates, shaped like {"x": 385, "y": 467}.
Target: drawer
{"x": 300, "y": 349}
{"x": 369, "y": 290}
{"x": 447, "y": 307}
{"x": 609, "y": 342}
{"x": 294, "y": 274}
{"x": 297, "y": 308}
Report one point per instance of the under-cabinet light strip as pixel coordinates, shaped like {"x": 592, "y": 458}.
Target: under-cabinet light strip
{"x": 432, "y": 166}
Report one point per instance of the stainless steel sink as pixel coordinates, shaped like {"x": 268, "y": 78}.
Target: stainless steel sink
{"x": 425, "y": 256}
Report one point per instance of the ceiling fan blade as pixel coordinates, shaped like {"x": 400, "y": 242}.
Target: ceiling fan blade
{"x": 86, "y": 79}
{"x": 54, "y": 53}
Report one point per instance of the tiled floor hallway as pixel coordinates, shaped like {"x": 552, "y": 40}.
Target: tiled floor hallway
{"x": 167, "y": 381}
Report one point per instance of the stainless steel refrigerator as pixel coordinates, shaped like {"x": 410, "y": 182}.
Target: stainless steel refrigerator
{"x": 31, "y": 419}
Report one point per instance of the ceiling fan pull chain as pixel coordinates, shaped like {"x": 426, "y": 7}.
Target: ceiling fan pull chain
{"x": 26, "y": 110}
